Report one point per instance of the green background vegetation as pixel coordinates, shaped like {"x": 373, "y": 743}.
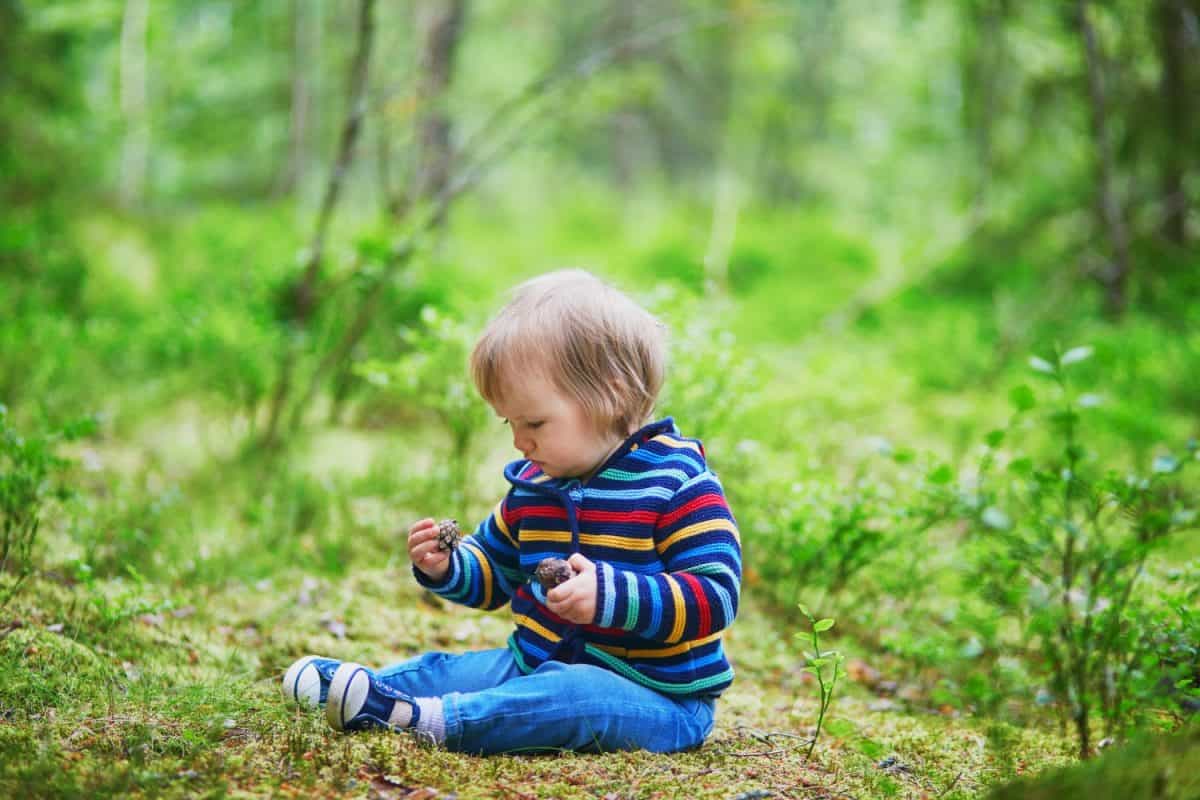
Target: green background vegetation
{"x": 933, "y": 283}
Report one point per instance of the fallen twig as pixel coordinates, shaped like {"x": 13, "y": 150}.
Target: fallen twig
{"x": 951, "y": 786}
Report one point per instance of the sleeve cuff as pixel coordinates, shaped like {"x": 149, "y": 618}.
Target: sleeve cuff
{"x": 606, "y": 595}
{"x": 437, "y": 586}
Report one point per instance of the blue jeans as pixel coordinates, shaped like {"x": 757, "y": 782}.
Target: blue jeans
{"x": 490, "y": 706}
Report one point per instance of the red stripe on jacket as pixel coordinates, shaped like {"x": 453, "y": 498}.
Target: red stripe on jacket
{"x": 586, "y": 515}
{"x": 703, "y": 501}
{"x": 701, "y": 602}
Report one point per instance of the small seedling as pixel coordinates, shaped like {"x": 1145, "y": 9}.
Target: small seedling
{"x": 818, "y": 663}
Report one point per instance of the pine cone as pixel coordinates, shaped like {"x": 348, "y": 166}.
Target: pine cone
{"x": 448, "y": 534}
{"x": 551, "y": 572}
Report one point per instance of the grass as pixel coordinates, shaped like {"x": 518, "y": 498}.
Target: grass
{"x": 117, "y": 685}
{"x": 183, "y": 701}
{"x": 167, "y": 686}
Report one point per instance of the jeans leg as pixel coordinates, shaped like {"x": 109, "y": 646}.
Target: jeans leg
{"x": 573, "y": 707}
{"x": 435, "y": 674}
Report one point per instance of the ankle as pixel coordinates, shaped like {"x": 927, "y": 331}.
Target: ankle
{"x": 430, "y": 720}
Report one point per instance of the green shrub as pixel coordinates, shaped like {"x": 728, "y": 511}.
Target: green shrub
{"x": 678, "y": 263}
{"x": 1059, "y": 546}
{"x": 28, "y": 467}
{"x": 1164, "y": 768}
{"x": 433, "y": 377}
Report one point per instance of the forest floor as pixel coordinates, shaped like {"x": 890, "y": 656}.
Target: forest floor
{"x": 183, "y": 700}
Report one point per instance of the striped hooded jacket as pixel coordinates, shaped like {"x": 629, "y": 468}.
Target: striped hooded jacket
{"x": 668, "y": 564}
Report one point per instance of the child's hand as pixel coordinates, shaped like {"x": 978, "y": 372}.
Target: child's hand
{"x": 575, "y": 600}
{"x": 423, "y": 549}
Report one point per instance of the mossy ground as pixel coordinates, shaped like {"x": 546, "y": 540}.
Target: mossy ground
{"x": 184, "y": 702}
{"x": 167, "y": 685}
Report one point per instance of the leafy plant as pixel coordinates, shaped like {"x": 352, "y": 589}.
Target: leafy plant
{"x": 1060, "y": 547}
{"x": 433, "y": 377}
{"x": 27, "y": 465}
{"x": 824, "y": 665}
{"x": 711, "y": 381}
{"x": 115, "y": 602}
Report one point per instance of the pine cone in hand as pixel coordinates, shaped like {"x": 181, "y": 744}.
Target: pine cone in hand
{"x": 448, "y": 534}
{"x": 551, "y": 572}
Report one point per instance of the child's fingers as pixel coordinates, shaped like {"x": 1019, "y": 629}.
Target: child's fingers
{"x": 433, "y": 558}
{"x": 422, "y": 548}
{"x": 581, "y": 564}
{"x": 421, "y": 525}
{"x": 570, "y": 608}
{"x": 577, "y": 585}
{"x": 419, "y": 537}
{"x": 561, "y": 607}
{"x": 563, "y": 594}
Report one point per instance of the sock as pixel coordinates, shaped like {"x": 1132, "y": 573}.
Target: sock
{"x": 431, "y": 720}
{"x": 401, "y": 714}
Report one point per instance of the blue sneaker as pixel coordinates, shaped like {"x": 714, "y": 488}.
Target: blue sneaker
{"x": 358, "y": 700}
{"x": 306, "y": 682}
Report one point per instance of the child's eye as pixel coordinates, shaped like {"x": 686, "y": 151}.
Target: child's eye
{"x": 536, "y": 425}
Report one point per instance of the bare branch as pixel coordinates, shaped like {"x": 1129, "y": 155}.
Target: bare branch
{"x": 303, "y": 295}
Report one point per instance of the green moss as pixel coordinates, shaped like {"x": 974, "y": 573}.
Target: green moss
{"x": 43, "y": 670}
{"x": 1164, "y": 768}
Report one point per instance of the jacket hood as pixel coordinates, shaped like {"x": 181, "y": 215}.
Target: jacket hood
{"x": 521, "y": 473}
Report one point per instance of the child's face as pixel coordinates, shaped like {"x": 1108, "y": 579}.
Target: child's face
{"x": 552, "y": 430}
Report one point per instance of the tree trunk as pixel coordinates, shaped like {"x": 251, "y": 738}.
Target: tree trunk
{"x": 622, "y": 122}
{"x": 135, "y": 147}
{"x": 306, "y": 42}
{"x": 985, "y": 65}
{"x": 1115, "y": 277}
{"x": 302, "y": 297}
{"x": 726, "y": 178}
{"x": 440, "y": 23}
{"x": 505, "y": 128}
{"x": 1172, "y": 31}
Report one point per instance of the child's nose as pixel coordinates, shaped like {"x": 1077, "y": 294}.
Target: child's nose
{"x": 522, "y": 443}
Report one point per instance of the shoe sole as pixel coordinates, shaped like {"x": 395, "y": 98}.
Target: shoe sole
{"x": 347, "y": 694}
{"x": 299, "y": 682}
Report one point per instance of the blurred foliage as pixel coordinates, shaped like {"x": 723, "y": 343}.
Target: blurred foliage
{"x": 30, "y": 481}
{"x": 1060, "y": 546}
{"x": 1166, "y": 767}
{"x": 858, "y": 222}
{"x": 433, "y": 375}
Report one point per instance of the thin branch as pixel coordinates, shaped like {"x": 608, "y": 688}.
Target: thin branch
{"x": 1116, "y": 276}
{"x": 487, "y": 147}
{"x": 303, "y": 296}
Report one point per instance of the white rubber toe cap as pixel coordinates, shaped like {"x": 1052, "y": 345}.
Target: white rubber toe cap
{"x": 302, "y": 683}
{"x": 347, "y": 694}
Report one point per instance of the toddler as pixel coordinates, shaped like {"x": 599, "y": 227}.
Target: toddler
{"x": 626, "y": 653}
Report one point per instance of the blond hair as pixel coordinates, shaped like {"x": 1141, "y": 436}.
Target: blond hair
{"x": 589, "y": 339}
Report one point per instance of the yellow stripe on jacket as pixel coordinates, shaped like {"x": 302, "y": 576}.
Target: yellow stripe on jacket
{"x": 594, "y": 539}
{"x": 671, "y": 442}
{"x": 660, "y": 652}
{"x": 698, "y": 528}
{"x": 536, "y": 627}
{"x": 498, "y": 515}
{"x": 677, "y": 594}
{"x": 487, "y": 572}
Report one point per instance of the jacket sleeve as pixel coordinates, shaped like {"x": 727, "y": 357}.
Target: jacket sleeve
{"x": 697, "y": 593}
{"x": 485, "y": 567}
